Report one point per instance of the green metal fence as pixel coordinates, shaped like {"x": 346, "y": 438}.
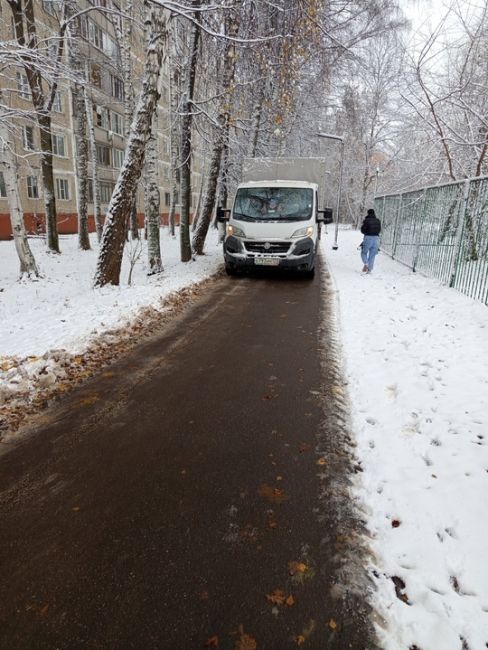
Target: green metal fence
{"x": 441, "y": 231}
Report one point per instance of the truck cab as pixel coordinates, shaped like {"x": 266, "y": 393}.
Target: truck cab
{"x": 273, "y": 224}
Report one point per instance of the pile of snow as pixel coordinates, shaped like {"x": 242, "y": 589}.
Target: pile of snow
{"x": 416, "y": 357}
{"x": 47, "y": 321}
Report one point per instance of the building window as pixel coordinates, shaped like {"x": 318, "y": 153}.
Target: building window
{"x": 118, "y": 158}
{"x": 103, "y": 117}
{"x": 115, "y": 17}
{"x": 117, "y": 87}
{"x": 117, "y": 123}
{"x": 3, "y": 189}
{"x": 103, "y": 155}
{"x": 58, "y": 103}
{"x": 110, "y": 47}
{"x": 106, "y": 190}
{"x": 96, "y": 76}
{"x": 23, "y": 85}
{"x": 62, "y": 189}
{"x": 29, "y": 138}
{"x": 95, "y": 35}
{"x": 58, "y": 145}
{"x": 167, "y": 199}
{"x": 32, "y": 187}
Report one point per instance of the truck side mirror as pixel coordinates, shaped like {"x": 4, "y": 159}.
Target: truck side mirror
{"x": 223, "y": 215}
{"x": 325, "y": 216}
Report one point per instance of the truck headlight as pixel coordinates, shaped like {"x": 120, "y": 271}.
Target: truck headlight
{"x": 304, "y": 232}
{"x": 234, "y": 230}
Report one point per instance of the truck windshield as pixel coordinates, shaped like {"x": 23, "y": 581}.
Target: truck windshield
{"x": 273, "y": 204}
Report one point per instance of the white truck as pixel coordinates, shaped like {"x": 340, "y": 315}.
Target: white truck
{"x": 275, "y": 219}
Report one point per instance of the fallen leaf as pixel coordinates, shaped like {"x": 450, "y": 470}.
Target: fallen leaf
{"x": 76, "y": 509}
{"x": 279, "y": 478}
{"x": 272, "y": 494}
{"x": 338, "y": 390}
{"x": 43, "y": 610}
{"x": 88, "y": 401}
{"x": 332, "y": 624}
{"x": 300, "y": 639}
{"x": 297, "y": 567}
{"x": 246, "y": 641}
{"x": 272, "y": 523}
{"x": 213, "y": 642}
{"x": 290, "y": 601}
{"x": 278, "y": 597}
{"x": 203, "y": 596}
{"x": 321, "y": 461}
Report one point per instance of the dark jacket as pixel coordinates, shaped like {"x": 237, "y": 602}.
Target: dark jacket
{"x": 371, "y": 225}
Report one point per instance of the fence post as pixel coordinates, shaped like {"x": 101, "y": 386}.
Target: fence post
{"x": 416, "y": 230}
{"x": 395, "y": 230}
{"x": 458, "y": 244}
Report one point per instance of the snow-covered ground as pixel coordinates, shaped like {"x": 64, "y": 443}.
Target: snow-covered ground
{"x": 46, "y": 322}
{"x": 62, "y": 310}
{"x": 416, "y": 357}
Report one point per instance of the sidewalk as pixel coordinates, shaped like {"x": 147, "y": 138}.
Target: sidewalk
{"x": 416, "y": 356}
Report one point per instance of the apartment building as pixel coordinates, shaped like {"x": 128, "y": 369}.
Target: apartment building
{"x": 100, "y": 47}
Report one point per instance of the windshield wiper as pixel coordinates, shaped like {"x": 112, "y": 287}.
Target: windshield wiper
{"x": 244, "y": 217}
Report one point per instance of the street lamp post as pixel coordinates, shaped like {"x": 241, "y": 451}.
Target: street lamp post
{"x": 329, "y": 136}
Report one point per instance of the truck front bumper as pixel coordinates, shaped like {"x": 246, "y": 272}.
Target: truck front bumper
{"x": 246, "y": 255}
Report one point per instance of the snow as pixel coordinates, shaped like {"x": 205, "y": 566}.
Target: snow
{"x": 62, "y": 310}
{"x": 46, "y": 321}
{"x": 416, "y": 359}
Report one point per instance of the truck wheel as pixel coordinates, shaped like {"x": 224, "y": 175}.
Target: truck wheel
{"x": 309, "y": 274}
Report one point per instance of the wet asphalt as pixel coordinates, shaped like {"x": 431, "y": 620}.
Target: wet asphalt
{"x": 195, "y": 493}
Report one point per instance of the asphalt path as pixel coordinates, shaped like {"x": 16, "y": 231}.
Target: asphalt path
{"x": 195, "y": 493}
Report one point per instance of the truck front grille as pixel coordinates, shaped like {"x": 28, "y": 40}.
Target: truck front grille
{"x": 271, "y": 248}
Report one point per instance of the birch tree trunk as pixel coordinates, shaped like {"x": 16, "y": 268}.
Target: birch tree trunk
{"x": 175, "y": 132}
{"x": 196, "y": 216}
{"x": 220, "y": 142}
{"x": 79, "y": 119}
{"x": 152, "y": 204}
{"x": 97, "y": 215}
{"x": 27, "y": 262}
{"x": 185, "y": 171}
{"x": 125, "y": 37}
{"x": 21, "y": 11}
{"x": 112, "y": 246}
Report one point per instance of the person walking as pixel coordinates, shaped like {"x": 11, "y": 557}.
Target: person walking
{"x": 371, "y": 228}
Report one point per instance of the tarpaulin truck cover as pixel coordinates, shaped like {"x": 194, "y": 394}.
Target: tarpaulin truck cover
{"x": 312, "y": 170}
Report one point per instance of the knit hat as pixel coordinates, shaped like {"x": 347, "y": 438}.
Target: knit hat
{"x": 371, "y": 212}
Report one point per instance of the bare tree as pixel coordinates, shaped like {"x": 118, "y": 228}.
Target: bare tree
{"x": 112, "y": 245}
{"x": 24, "y": 21}
{"x": 28, "y": 264}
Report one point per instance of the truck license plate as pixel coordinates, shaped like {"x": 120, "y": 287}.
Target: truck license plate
{"x": 266, "y": 261}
